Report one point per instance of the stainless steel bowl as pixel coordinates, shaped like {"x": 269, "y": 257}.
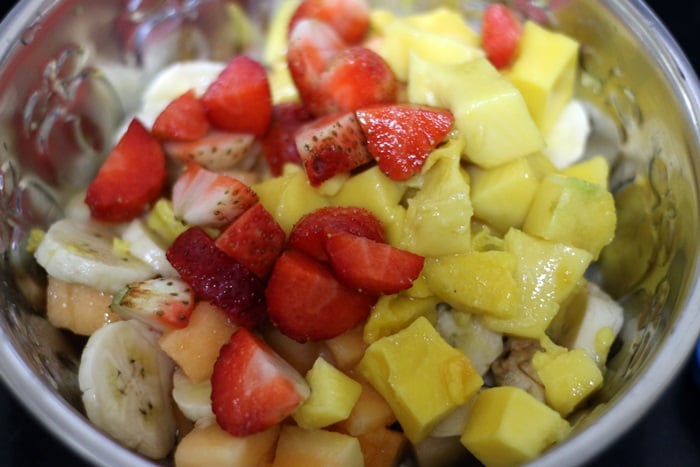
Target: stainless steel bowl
{"x": 68, "y": 74}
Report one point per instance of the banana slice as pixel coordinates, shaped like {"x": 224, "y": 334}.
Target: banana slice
{"x": 126, "y": 381}
{"x": 146, "y": 246}
{"x": 80, "y": 251}
{"x": 566, "y": 141}
{"x": 192, "y": 398}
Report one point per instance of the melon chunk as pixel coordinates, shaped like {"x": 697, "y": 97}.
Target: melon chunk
{"x": 316, "y": 448}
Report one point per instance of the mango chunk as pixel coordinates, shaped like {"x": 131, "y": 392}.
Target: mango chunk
{"x": 594, "y": 170}
{"x": 507, "y": 426}
{"x": 420, "y": 375}
{"x": 489, "y": 110}
{"x": 545, "y": 72}
{"x": 393, "y": 313}
{"x": 316, "y": 448}
{"x": 572, "y": 211}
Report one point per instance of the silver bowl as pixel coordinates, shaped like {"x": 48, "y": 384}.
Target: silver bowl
{"x": 68, "y": 74}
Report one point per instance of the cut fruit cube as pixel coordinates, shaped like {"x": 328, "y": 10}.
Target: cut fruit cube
{"x": 316, "y": 448}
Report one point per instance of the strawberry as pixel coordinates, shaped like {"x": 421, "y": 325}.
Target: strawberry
{"x": 216, "y": 277}
{"x": 278, "y": 145}
{"x": 331, "y": 145}
{"x": 239, "y": 99}
{"x": 349, "y": 18}
{"x": 184, "y": 119}
{"x": 255, "y": 240}
{"x": 306, "y": 302}
{"x": 215, "y": 151}
{"x": 311, "y": 231}
{"x": 252, "y": 387}
{"x": 401, "y": 136}
{"x": 206, "y": 198}
{"x": 131, "y": 178}
{"x": 500, "y": 35}
{"x": 371, "y": 266}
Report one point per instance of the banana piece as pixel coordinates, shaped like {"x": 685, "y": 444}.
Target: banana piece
{"x": 566, "y": 141}
{"x": 126, "y": 381}
{"x": 80, "y": 251}
{"x": 192, "y": 398}
{"x": 144, "y": 245}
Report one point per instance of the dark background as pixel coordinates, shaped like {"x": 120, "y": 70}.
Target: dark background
{"x": 668, "y": 435}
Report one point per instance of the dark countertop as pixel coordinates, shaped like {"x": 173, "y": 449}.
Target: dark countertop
{"x": 668, "y": 435}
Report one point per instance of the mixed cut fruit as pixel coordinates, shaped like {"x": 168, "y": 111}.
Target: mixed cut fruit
{"x": 368, "y": 242}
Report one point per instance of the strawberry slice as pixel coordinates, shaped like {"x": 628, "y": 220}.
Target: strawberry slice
{"x": 130, "y": 179}
{"x": 278, "y": 144}
{"x": 306, "y": 302}
{"x": 401, "y": 136}
{"x": 311, "y": 231}
{"x": 371, "y": 266}
{"x": 349, "y": 18}
{"x": 252, "y": 387}
{"x": 206, "y": 198}
{"x": 500, "y": 35}
{"x": 183, "y": 119}
{"x": 331, "y": 145}
{"x": 215, "y": 151}
{"x": 239, "y": 99}
{"x": 255, "y": 240}
{"x": 216, "y": 277}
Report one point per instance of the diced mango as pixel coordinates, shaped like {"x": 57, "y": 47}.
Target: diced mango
{"x": 420, "y": 375}
{"x": 316, "y": 448}
{"x": 594, "y": 170}
{"x": 393, "y": 313}
{"x": 445, "y": 21}
{"x": 476, "y": 282}
{"x": 545, "y": 72}
{"x": 276, "y": 40}
{"x": 507, "y": 427}
{"x": 333, "y": 395}
{"x": 501, "y": 196}
{"x": 572, "y": 211}
{"x": 489, "y": 111}
{"x": 569, "y": 377}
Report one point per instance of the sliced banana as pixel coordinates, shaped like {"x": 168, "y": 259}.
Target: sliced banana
{"x": 80, "y": 251}
{"x": 146, "y": 246}
{"x": 126, "y": 381}
{"x": 566, "y": 141}
{"x": 192, "y": 398}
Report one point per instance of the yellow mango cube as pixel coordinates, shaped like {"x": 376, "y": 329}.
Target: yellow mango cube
{"x": 393, "y": 313}
{"x": 572, "y": 211}
{"x": 316, "y": 448}
{"x": 507, "y": 427}
{"x": 594, "y": 170}
{"x": 333, "y": 395}
{"x": 445, "y": 21}
{"x": 420, "y": 375}
{"x": 545, "y": 72}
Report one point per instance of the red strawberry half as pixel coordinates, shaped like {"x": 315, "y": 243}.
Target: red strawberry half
{"x": 215, "y": 151}
{"x": 253, "y": 388}
{"x": 130, "y": 179}
{"x": 306, "y": 302}
{"x": 218, "y": 278}
{"x": 311, "y": 231}
{"x": 349, "y": 18}
{"x": 278, "y": 145}
{"x": 401, "y": 136}
{"x": 184, "y": 119}
{"x": 331, "y": 145}
{"x": 500, "y": 35}
{"x": 371, "y": 266}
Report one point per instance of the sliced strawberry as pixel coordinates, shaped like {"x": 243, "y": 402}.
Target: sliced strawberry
{"x": 311, "y": 231}
{"x": 240, "y": 100}
{"x": 255, "y": 240}
{"x": 218, "y": 278}
{"x": 500, "y": 35}
{"x": 331, "y": 145}
{"x": 130, "y": 179}
{"x": 349, "y": 18}
{"x": 278, "y": 144}
{"x": 206, "y": 198}
{"x": 358, "y": 77}
{"x": 306, "y": 302}
{"x": 401, "y": 136}
{"x": 215, "y": 151}
{"x": 252, "y": 387}
{"x": 184, "y": 119}
{"x": 371, "y": 266}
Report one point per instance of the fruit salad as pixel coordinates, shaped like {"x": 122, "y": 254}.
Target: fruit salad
{"x": 368, "y": 242}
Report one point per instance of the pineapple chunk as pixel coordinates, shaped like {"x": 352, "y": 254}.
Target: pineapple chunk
{"x": 161, "y": 220}
{"x": 196, "y": 347}
{"x": 572, "y": 211}
{"x": 421, "y": 376}
{"x": 333, "y": 395}
{"x": 382, "y": 447}
{"x": 78, "y": 308}
{"x": 594, "y": 170}
{"x": 393, "y": 313}
{"x": 569, "y": 377}
{"x": 447, "y": 22}
{"x": 507, "y": 427}
{"x": 212, "y": 446}
{"x": 316, "y": 448}
{"x": 371, "y": 412}
{"x": 489, "y": 111}
{"x": 501, "y": 196}
{"x": 276, "y": 41}
{"x": 545, "y": 72}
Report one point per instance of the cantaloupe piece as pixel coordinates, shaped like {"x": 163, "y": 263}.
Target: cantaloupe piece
{"x": 298, "y": 447}
{"x": 77, "y": 308}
